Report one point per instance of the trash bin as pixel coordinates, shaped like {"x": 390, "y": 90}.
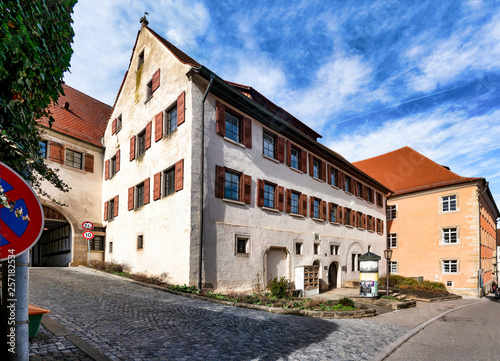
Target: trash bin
{"x": 35, "y": 315}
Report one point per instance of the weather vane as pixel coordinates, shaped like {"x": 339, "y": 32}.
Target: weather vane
{"x": 143, "y": 20}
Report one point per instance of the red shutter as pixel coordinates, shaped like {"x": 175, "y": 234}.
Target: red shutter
{"x": 89, "y": 163}
{"x": 339, "y": 215}
{"x": 132, "y": 148}
{"x": 56, "y": 152}
{"x": 155, "y": 81}
{"x": 115, "y": 210}
{"x": 353, "y": 218}
{"x": 281, "y": 150}
{"x": 330, "y": 207}
{"x": 106, "y": 170}
{"x": 105, "y": 211}
{"x": 311, "y": 167}
{"x": 220, "y": 175}
{"x": 329, "y": 174}
{"x": 157, "y": 186}
{"x": 247, "y": 132}
{"x": 221, "y": 118}
{"x": 181, "y": 105}
{"x": 147, "y": 142}
{"x": 304, "y": 161}
{"x": 303, "y": 205}
{"x": 363, "y": 221}
{"x": 363, "y": 191}
{"x": 353, "y": 185}
{"x": 281, "y": 197}
{"x": 339, "y": 179}
{"x": 179, "y": 175}
{"x": 117, "y": 165}
{"x": 131, "y": 198}
{"x": 323, "y": 210}
{"x": 260, "y": 193}
{"x": 288, "y": 153}
{"x": 288, "y": 203}
{"x": 247, "y": 189}
{"x": 323, "y": 171}
{"x": 311, "y": 207}
{"x": 113, "y": 126}
{"x": 158, "y": 126}
{"x": 146, "y": 191}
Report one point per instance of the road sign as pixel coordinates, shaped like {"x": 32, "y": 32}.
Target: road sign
{"x": 88, "y": 234}
{"x": 16, "y": 234}
{"x": 88, "y": 225}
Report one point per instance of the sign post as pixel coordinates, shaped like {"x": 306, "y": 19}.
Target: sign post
{"x": 17, "y": 236}
{"x": 88, "y": 235}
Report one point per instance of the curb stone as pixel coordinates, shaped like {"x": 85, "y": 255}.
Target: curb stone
{"x": 283, "y": 311}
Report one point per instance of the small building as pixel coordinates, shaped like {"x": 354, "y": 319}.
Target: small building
{"x": 440, "y": 225}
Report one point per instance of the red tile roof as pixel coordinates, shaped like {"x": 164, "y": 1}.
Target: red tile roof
{"x": 406, "y": 170}
{"x": 84, "y": 118}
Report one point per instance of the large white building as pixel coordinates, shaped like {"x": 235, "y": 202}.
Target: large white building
{"x": 209, "y": 182}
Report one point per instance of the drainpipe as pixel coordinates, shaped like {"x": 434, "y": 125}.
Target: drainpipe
{"x": 479, "y": 287}
{"x": 202, "y": 178}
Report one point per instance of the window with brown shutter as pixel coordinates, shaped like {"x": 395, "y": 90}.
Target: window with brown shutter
{"x": 304, "y": 161}
{"x": 220, "y": 113}
{"x": 146, "y": 191}
{"x": 247, "y": 133}
{"x": 56, "y": 152}
{"x": 247, "y": 189}
{"x": 288, "y": 201}
{"x": 113, "y": 126}
{"x": 117, "y": 160}
{"x": 311, "y": 165}
{"x": 158, "y": 126}
{"x": 115, "y": 208}
{"x": 363, "y": 221}
{"x": 340, "y": 179}
{"x": 155, "y": 80}
{"x": 105, "y": 211}
{"x": 219, "y": 181}
{"x": 106, "y": 170}
{"x": 157, "y": 186}
{"x": 311, "y": 207}
{"x": 280, "y": 198}
{"x": 323, "y": 210}
{"x": 179, "y": 175}
{"x": 132, "y": 148}
{"x": 303, "y": 205}
{"x": 260, "y": 192}
{"x": 340, "y": 215}
{"x": 147, "y": 143}
{"x": 131, "y": 198}
{"x": 281, "y": 150}
{"x": 353, "y": 218}
{"x": 181, "y": 115}
{"x": 289, "y": 153}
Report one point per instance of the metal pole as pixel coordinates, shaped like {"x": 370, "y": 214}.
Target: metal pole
{"x": 388, "y": 273}
{"x": 20, "y": 302}
{"x": 88, "y": 247}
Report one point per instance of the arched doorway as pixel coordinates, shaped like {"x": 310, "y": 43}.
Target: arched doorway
{"x": 277, "y": 263}
{"x": 332, "y": 275}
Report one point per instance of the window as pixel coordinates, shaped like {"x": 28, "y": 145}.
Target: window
{"x": 269, "y": 145}
{"x": 359, "y": 189}
{"x": 450, "y": 266}
{"x": 294, "y": 206}
{"x": 334, "y": 250}
{"x": 295, "y": 156}
{"x": 355, "y": 262}
{"x": 449, "y": 283}
{"x": 171, "y": 116}
{"x": 450, "y": 235}
{"x": 449, "y": 203}
{"x": 393, "y": 267}
{"x": 392, "y": 240}
{"x": 347, "y": 217}
{"x": 42, "y": 146}
{"x": 269, "y": 190}
{"x": 379, "y": 199}
{"x": 316, "y": 248}
{"x": 298, "y": 248}
{"x": 333, "y": 177}
{"x": 112, "y": 166}
{"x": 242, "y": 245}
{"x": 149, "y": 90}
{"x": 110, "y": 247}
{"x": 369, "y": 195}
{"x": 233, "y": 127}
{"x": 139, "y": 195}
{"x": 140, "y": 59}
{"x": 391, "y": 212}
{"x": 97, "y": 243}
{"x": 74, "y": 159}
{"x": 169, "y": 181}
{"x": 232, "y": 186}
{"x": 316, "y": 208}
{"x": 111, "y": 209}
{"x": 347, "y": 184}
{"x": 140, "y": 242}
{"x": 118, "y": 123}
{"x": 333, "y": 213}
{"x": 316, "y": 169}
{"x": 141, "y": 143}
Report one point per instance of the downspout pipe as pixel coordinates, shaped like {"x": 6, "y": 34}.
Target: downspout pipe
{"x": 202, "y": 178}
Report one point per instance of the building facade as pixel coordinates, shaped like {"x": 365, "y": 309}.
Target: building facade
{"x": 440, "y": 225}
{"x": 210, "y": 183}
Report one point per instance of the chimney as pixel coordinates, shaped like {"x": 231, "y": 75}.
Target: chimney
{"x": 66, "y": 105}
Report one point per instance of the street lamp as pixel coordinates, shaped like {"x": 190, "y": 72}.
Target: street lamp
{"x": 388, "y": 255}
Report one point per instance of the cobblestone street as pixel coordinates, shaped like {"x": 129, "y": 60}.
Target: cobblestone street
{"x": 126, "y": 321}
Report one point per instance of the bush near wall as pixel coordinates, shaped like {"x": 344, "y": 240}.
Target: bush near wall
{"x": 410, "y": 284}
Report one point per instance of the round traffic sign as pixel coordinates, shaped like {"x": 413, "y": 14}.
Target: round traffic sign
{"x": 87, "y": 225}
{"x": 88, "y": 234}
{"x": 16, "y": 234}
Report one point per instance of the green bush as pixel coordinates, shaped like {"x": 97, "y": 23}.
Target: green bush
{"x": 279, "y": 287}
{"x": 408, "y": 283}
{"x": 186, "y": 289}
{"x": 346, "y": 302}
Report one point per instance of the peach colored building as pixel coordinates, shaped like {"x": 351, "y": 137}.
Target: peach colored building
{"x": 440, "y": 225}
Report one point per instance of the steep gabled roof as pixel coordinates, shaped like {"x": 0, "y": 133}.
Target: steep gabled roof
{"x": 180, "y": 55}
{"x": 80, "y": 116}
{"x": 405, "y": 170}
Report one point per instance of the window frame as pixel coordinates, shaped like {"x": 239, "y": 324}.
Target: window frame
{"x": 242, "y": 238}
{"x": 239, "y": 126}
{"x": 333, "y": 213}
{"x": 448, "y": 232}
{"x": 316, "y": 248}
{"x": 119, "y": 124}
{"x": 393, "y": 265}
{"x": 347, "y": 216}
{"x": 272, "y": 136}
{"x": 392, "y": 209}
{"x": 299, "y": 157}
{"x": 66, "y": 156}
{"x": 334, "y": 250}
{"x": 316, "y": 208}
{"x": 448, "y": 203}
{"x": 44, "y": 154}
{"x": 141, "y": 135}
{"x": 392, "y": 240}
{"x": 140, "y": 242}
{"x": 140, "y": 59}
{"x": 292, "y": 202}
{"x": 448, "y": 264}
{"x": 316, "y": 168}
{"x": 269, "y": 195}
{"x": 238, "y": 190}
{"x": 137, "y": 195}
{"x": 168, "y": 125}
{"x": 165, "y": 179}
{"x": 347, "y": 183}
{"x": 299, "y": 248}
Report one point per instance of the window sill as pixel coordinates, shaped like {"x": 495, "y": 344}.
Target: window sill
{"x": 370, "y": 202}
{"x": 245, "y": 255}
{"x": 233, "y": 201}
{"x": 447, "y": 212}
{"x": 297, "y": 215}
{"x": 148, "y": 99}
{"x": 233, "y": 142}
{"x": 361, "y": 198}
{"x": 335, "y": 223}
{"x": 318, "y": 219}
{"x": 334, "y": 187}
{"x": 369, "y": 230}
{"x": 296, "y": 170}
{"x": 317, "y": 179}
{"x": 349, "y": 193}
{"x": 379, "y": 206}
{"x": 271, "y": 159}
{"x": 270, "y": 209}
{"x": 168, "y": 135}
{"x": 349, "y": 226}
{"x": 380, "y": 233}
{"x": 361, "y": 228}
{"x": 449, "y": 244}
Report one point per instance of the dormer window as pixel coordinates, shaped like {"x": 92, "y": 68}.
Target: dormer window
{"x": 140, "y": 59}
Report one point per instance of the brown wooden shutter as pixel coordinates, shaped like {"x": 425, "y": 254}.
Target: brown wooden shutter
{"x": 329, "y": 174}
{"x": 115, "y": 210}
{"x": 105, "y": 211}
{"x": 131, "y": 198}
{"x": 56, "y": 152}
{"x": 323, "y": 210}
{"x": 157, "y": 186}
{"x": 158, "y": 126}
{"x": 247, "y": 132}
{"x": 311, "y": 207}
{"x": 363, "y": 191}
{"x": 147, "y": 142}
{"x": 340, "y": 218}
{"x": 311, "y": 165}
{"x": 220, "y": 111}
{"x": 113, "y": 126}
{"x": 146, "y": 191}
{"x": 181, "y": 106}
{"x": 281, "y": 150}
{"x": 289, "y": 153}
{"x": 220, "y": 175}
{"x": 288, "y": 206}
{"x": 155, "y": 81}
{"x": 89, "y": 163}
{"x": 117, "y": 165}
{"x": 247, "y": 189}
{"x": 280, "y": 197}
{"x": 304, "y": 161}
{"x": 353, "y": 185}
{"x": 363, "y": 221}
{"x": 303, "y": 205}
{"x": 353, "y": 218}
{"x": 106, "y": 170}
{"x": 260, "y": 193}
{"x": 179, "y": 175}
{"x": 132, "y": 148}
{"x": 323, "y": 171}
{"x": 330, "y": 208}
{"x": 339, "y": 179}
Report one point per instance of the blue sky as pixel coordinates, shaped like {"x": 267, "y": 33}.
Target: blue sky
{"x": 370, "y": 76}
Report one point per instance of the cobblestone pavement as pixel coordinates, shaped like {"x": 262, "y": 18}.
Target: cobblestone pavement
{"x": 126, "y": 321}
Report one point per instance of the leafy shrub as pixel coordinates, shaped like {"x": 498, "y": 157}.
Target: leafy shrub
{"x": 346, "y": 302}
{"x": 279, "y": 287}
{"x": 411, "y": 284}
{"x": 186, "y": 289}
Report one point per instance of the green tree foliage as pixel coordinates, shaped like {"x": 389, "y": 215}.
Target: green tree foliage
{"x": 35, "y": 51}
